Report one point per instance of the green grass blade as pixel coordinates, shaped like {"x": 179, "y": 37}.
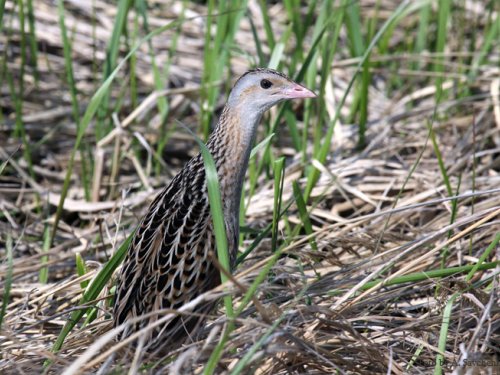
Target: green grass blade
{"x": 81, "y": 269}
{"x": 75, "y": 107}
{"x": 217, "y": 215}
{"x": 68, "y": 63}
{"x": 265, "y": 144}
{"x": 444, "y": 7}
{"x": 443, "y": 334}
{"x": 252, "y": 290}
{"x": 263, "y": 234}
{"x": 363, "y": 103}
{"x": 110, "y": 63}
{"x": 415, "y": 357}
{"x": 93, "y": 291}
{"x": 20, "y": 4}
{"x": 298, "y": 77}
{"x": 217, "y": 52}
{"x": 258, "y": 43}
{"x": 327, "y": 46}
{"x": 240, "y": 366}
{"x": 8, "y": 277}
{"x": 91, "y": 110}
{"x": 261, "y": 145}
{"x": 279, "y": 176}
{"x": 304, "y": 215}
{"x": 433, "y": 274}
{"x": 134, "y": 94}
{"x": 325, "y": 147}
{"x": 277, "y": 55}
{"x": 20, "y": 131}
{"x": 221, "y": 242}
{"x": 354, "y": 29}
{"x": 491, "y": 39}
{"x": 106, "y": 273}
{"x": 422, "y": 33}
{"x": 291, "y": 122}
{"x": 267, "y": 24}
{"x": 483, "y": 257}
{"x": 2, "y": 9}
{"x": 216, "y": 354}
{"x": 2, "y": 166}
{"x": 159, "y": 82}
{"x": 32, "y": 40}
{"x": 43, "y": 275}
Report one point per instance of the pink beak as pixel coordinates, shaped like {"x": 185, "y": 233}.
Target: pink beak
{"x": 296, "y": 91}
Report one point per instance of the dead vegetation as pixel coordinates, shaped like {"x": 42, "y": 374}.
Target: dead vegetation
{"x": 377, "y": 214}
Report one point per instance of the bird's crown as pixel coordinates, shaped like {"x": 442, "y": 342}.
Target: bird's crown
{"x": 262, "y": 71}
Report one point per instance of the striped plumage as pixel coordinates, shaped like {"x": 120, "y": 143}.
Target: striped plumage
{"x": 169, "y": 261}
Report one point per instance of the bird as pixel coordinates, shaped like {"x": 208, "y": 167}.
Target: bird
{"x": 169, "y": 261}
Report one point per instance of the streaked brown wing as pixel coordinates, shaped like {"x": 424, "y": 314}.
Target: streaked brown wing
{"x": 168, "y": 262}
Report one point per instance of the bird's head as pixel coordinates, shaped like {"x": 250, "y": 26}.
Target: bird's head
{"x": 259, "y": 89}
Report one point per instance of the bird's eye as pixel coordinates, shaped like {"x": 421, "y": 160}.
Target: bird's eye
{"x": 265, "y": 84}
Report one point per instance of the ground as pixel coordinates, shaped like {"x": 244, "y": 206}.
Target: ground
{"x": 372, "y": 248}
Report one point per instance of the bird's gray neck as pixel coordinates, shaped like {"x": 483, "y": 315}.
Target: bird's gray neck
{"x": 234, "y": 135}
{"x": 230, "y": 145}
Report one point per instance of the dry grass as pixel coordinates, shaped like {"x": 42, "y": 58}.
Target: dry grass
{"x": 377, "y": 214}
